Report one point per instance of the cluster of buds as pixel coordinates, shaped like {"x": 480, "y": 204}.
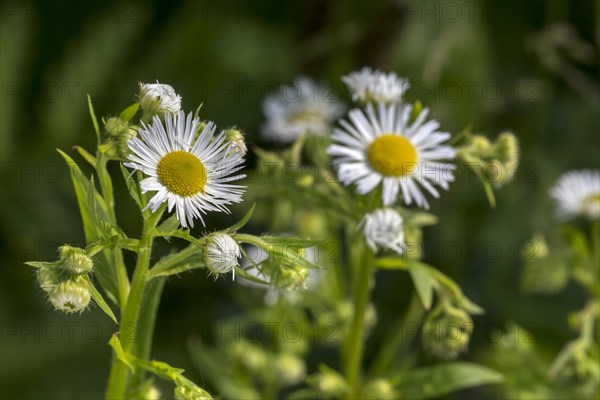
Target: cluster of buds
{"x": 65, "y": 280}
{"x": 236, "y": 141}
{"x": 191, "y": 393}
{"x": 498, "y": 160}
{"x": 544, "y": 274}
{"x": 118, "y": 134}
{"x": 380, "y": 389}
{"x": 447, "y": 331}
{"x": 329, "y": 384}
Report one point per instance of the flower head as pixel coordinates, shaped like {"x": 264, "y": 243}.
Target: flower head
{"x": 384, "y": 228}
{"x": 385, "y": 147}
{"x": 577, "y": 193}
{"x": 191, "y": 175}
{"x": 236, "y": 141}
{"x": 75, "y": 260}
{"x": 70, "y": 296}
{"x": 302, "y": 108}
{"x": 368, "y": 86}
{"x": 222, "y": 254}
{"x": 159, "y": 98}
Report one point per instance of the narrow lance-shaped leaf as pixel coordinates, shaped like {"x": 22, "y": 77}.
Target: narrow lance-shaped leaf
{"x": 128, "y": 113}
{"x": 241, "y": 223}
{"x": 423, "y": 283}
{"x": 100, "y": 301}
{"x": 94, "y": 119}
{"x": 438, "y": 380}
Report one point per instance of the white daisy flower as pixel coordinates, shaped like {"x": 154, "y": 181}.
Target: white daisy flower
{"x": 222, "y": 253}
{"x": 577, "y": 193}
{"x": 384, "y": 228}
{"x": 158, "y": 97}
{"x": 368, "y": 86}
{"x": 191, "y": 175}
{"x": 301, "y": 108}
{"x": 386, "y": 148}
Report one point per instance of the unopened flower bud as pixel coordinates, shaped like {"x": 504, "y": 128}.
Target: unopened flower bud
{"x": 48, "y": 278}
{"x": 290, "y": 278}
{"x": 290, "y": 369}
{"x": 329, "y": 384}
{"x": 115, "y": 125}
{"x": 191, "y": 393}
{"x": 157, "y": 98}
{"x": 447, "y": 331}
{"x": 380, "y": 389}
{"x": 71, "y": 296}
{"x": 480, "y": 145}
{"x": 222, "y": 253}
{"x": 507, "y": 147}
{"x": 75, "y": 260}
{"x": 236, "y": 141}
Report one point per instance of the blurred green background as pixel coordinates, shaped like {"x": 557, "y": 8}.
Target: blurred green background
{"x": 526, "y": 66}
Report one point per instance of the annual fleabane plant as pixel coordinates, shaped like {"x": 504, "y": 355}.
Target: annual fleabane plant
{"x": 178, "y": 169}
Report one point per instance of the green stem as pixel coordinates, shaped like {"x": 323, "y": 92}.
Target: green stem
{"x": 146, "y": 324}
{"x": 117, "y": 384}
{"x": 107, "y": 193}
{"x": 355, "y": 345}
{"x": 170, "y": 260}
{"x": 399, "y": 339}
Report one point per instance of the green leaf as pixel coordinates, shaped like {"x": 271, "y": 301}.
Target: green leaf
{"x": 391, "y": 263}
{"x": 423, "y": 283}
{"x": 129, "y": 112}
{"x": 242, "y": 222}
{"x": 93, "y": 214}
{"x": 94, "y": 119}
{"x": 175, "y": 264}
{"x": 168, "y": 227}
{"x": 42, "y": 264}
{"x": 86, "y": 155}
{"x": 100, "y": 301}
{"x": 244, "y": 274}
{"x": 132, "y": 186}
{"x": 439, "y": 380}
{"x": 115, "y": 343}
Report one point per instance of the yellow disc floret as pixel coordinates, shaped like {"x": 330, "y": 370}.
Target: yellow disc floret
{"x": 392, "y": 155}
{"x": 182, "y": 173}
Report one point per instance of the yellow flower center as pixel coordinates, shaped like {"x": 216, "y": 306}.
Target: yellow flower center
{"x": 182, "y": 173}
{"x": 392, "y": 155}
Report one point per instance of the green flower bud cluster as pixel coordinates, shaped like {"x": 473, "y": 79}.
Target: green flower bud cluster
{"x": 64, "y": 281}
{"x": 118, "y": 134}
{"x": 543, "y": 274}
{"x": 290, "y": 368}
{"x": 236, "y": 141}
{"x": 191, "y": 393}
{"x": 447, "y": 331}
{"x": 328, "y": 383}
{"x": 498, "y": 161}
{"x": 380, "y": 389}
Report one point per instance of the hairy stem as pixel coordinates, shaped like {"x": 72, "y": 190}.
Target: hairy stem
{"x": 355, "y": 345}
{"x": 128, "y": 328}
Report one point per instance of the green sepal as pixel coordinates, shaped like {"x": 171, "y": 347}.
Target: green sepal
{"x": 128, "y": 113}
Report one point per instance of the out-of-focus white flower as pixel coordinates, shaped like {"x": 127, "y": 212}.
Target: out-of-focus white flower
{"x": 577, "y": 193}
{"x": 384, "y": 228}
{"x": 384, "y": 146}
{"x": 222, "y": 254}
{"x": 302, "y": 108}
{"x": 158, "y": 97}
{"x": 368, "y": 86}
